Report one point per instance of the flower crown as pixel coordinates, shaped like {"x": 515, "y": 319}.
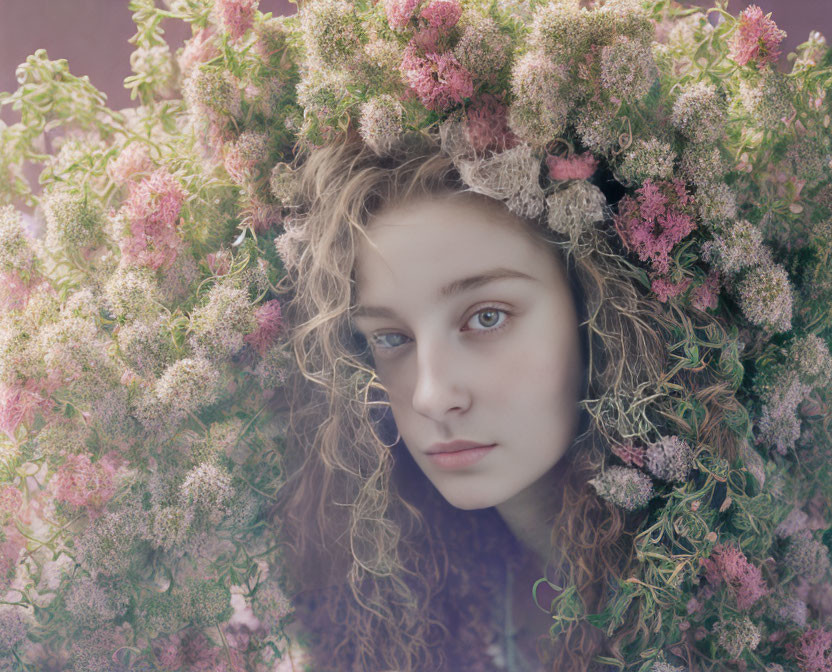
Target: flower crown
{"x": 514, "y": 88}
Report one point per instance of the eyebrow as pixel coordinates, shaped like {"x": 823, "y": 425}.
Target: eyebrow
{"x": 451, "y": 289}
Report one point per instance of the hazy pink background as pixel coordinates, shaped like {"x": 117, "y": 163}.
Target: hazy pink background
{"x": 92, "y": 34}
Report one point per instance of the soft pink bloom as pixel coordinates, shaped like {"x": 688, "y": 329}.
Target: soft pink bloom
{"x": 664, "y": 288}
{"x": 10, "y": 501}
{"x": 707, "y": 294}
{"x": 18, "y": 404}
{"x": 487, "y": 125}
{"x": 14, "y": 291}
{"x": 81, "y": 482}
{"x": 152, "y": 209}
{"x": 757, "y": 38}
{"x": 693, "y": 606}
{"x": 198, "y": 653}
{"x": 438, "y": 79}
{"x": 813, "y": 652}
{"x": 728, "y": 563}
{"x": 655, "y": 220}
{"x": 629, "y": 452}
{"x": 236, "y": 16}
{"x": 427, "y": 40}
{"x": 269, "y": 324}
{"x": 131, "y": 160}
{"x": 575, "y": 167}
{"x": 442, "y": 14}
{"x": 198, "y": 49}
{"x": 168, "y": 651}
{"x": 399, "y": 12}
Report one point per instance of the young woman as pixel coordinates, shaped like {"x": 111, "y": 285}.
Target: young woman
{"x": 425, "y": 314}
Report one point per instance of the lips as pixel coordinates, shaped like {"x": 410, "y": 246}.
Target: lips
{"x": 455, "y": 446}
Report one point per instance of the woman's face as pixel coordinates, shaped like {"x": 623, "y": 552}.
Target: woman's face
{"x": 491, "y": 361}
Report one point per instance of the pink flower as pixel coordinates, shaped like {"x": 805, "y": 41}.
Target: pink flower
{"x": 630, "y": 453}
{"x": 488, "y": 125}
{"x": 813, "y": 652}
{"x": 664, "y": 288}
{"x": 655, "y": 220}
{"x": 575, "y": 167}
{"x": 83, "y": 483}
{"x": 236, "y": 16}
{"x": 131, "y": 160}
{"x": 269, "y": 324}
{"x": 10, "y": 501}
{"x": 168, "y": 651}
{"x": 19, "y": 404}
{"x": 399, "y": 12}
{"x": 198, "y": 49}
{"x": 14, "y": 291}
{"x": 757, "y": 38}
{"x": 152, "y": 209}
{"x": 438, "y": 79}
{"x": 427, "y": 40}
{"x": 707, "y": 294}
{"x": 728, "y": 563}
{"x": 442, "y": 14}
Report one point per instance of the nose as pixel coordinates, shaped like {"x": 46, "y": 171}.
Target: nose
{"x": 439, "y": 387}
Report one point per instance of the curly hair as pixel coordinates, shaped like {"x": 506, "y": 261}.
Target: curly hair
{"x": 384, "y": 573}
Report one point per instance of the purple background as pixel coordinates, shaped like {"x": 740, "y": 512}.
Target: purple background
{"x": 93, "y": 34}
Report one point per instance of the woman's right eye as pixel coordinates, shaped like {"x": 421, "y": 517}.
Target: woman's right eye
{"x": 377, "y": 340}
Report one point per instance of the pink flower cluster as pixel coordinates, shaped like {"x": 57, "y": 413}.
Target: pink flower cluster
{"x": 269, "y": 324}
{"x": 707, "y": 294}
{"x": 198, "y": 49}
{"x": 399, "y": 12}
{"x": 191, "y": 650}
{"x": 757, "y": 38}
{"x": 438, "y": 79}
{"x": 10, "y": 501}
{"x": 442, "y": 14}
{"x": 19, "y": 403}
{"x": 728, "y": 563}
{"x": 433, "y": 73}
{"x": 575, "y": 167}
{"x": 152, "y": 209}
{"x": 131, "y": 160}
{"x": 660, "y": 215}
{"x": 664, "y": 288}
{"x": 81, "y": 482}
{"x": 14, "y": 290}
{"x": 813, "y": 652}
{"x": 629, "y": 452}
{"x": 236, "y": 16}
{"x": 487, "y": 125}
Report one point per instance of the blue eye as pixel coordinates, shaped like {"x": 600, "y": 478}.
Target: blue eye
{"x": 378, "y": 344}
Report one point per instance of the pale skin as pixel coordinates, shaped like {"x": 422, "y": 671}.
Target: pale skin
{"x": 495, "y": 362}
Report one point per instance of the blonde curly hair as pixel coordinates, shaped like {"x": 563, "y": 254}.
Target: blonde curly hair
{"x": 384, "y": 573}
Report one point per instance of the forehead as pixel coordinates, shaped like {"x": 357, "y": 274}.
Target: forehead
{"x": 429, "y": 242}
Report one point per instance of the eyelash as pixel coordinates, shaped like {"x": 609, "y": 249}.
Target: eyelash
{"x": 376, "y": 348}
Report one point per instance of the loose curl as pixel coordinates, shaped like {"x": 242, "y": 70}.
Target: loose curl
{"x": 368, "y": 544}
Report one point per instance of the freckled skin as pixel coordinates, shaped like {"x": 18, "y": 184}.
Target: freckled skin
{"x": 448, "y": 378}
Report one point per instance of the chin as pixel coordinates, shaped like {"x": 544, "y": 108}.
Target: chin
{"x": 470, "y": 503}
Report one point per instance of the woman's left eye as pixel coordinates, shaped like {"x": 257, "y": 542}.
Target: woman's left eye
{"x": 490, "y": 328}
{"x": 486, "y": 311}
